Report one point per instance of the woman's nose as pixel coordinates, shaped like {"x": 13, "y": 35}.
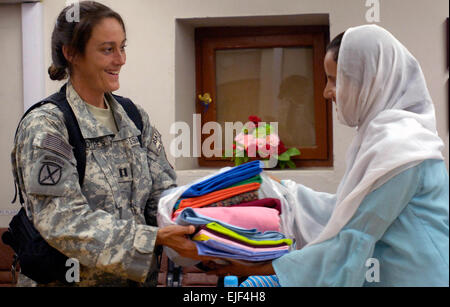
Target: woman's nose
{"x": 328, "y": 93}
{"x": 120, "y": 57}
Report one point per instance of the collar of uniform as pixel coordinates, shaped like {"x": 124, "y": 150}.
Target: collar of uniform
{"x": 125, "y": 125}
{"x": 90, "y": 127}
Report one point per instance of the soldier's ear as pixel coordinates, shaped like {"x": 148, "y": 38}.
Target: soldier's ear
{"x": 69, "y": 54}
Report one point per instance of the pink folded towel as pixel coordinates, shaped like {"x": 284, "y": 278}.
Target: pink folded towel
{"x": 261, "y": 218}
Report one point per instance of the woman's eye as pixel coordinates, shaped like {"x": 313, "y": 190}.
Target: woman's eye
{"x": 108, "y": 50}
{"x": 123, "y": 47}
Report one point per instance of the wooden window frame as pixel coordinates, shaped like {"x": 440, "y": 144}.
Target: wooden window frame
{"x": 208, "y": 40}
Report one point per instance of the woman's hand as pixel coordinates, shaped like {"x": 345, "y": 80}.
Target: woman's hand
{"x": 176, "y": 237}
{"x": 240, "y": 268}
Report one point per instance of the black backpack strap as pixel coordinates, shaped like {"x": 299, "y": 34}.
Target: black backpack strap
{"x": 132, "y": 112}
{"x": 76, "y": 139}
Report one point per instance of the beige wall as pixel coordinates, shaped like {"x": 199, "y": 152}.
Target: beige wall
{"x": 160, "y": 74}
{"x": 10, "y": 100}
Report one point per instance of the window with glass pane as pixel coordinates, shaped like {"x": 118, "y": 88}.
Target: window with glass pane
{"x": 274, "y": 73}
{"x": 277, "y": 84}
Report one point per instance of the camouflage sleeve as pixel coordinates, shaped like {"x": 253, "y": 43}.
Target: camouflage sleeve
{"x": 162, "y": 173}
{"x": 46, "y": 170}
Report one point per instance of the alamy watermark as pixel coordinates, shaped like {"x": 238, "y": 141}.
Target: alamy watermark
{"x": 73, "y": 13}
{"x": 212, "y": 145}
{"x": 373, "y": 273}
{"x": 73, "y": 271}
{"x": 373, "y": 13}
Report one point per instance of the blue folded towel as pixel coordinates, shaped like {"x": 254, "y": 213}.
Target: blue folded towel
{"x": 217, "y": 249}
{"x": 225, "y": 179}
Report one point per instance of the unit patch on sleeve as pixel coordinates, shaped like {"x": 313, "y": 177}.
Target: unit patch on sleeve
{"x": 49, "y": 174}
{"x": 156, "y": 144}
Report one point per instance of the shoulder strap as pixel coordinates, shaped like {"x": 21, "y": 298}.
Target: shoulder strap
{"x": 76, "y": 139}
{"x": 132, "y": 112}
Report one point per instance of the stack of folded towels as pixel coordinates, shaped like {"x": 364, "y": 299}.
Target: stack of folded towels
{"x": 231, "y": 221}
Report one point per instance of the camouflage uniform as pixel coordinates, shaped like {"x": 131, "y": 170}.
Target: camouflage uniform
{"x": 103, "y": 223}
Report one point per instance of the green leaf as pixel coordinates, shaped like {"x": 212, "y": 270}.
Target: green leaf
{"x": 284, "y": 156}
{"x": 292, "y": 152}
{"x": 239, "y": 153}
{"x": 238, "y": 161}
{"x": 291, "y": 164}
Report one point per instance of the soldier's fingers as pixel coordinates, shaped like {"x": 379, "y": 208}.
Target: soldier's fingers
{"x": 191, "y": 229}
{"x": 186, "y": 230}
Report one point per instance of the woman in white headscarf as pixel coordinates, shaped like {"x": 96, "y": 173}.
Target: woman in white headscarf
{"x": 387, "y": 225}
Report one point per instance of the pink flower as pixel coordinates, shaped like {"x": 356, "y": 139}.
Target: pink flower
{"x": 268, "y": 145}
{"x": 267, "y": 150}
{"x": 273, "y": 140}
{"x": 246, "y": 142}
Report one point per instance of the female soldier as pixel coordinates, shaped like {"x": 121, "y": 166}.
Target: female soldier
{"x": 103, "y": 222}
{"x": 387, "y": 225}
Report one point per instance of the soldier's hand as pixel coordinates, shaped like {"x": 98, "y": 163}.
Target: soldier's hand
{"x": 177, "y": 238}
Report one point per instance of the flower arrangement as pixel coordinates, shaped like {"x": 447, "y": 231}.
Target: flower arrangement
{"x": 259, "y": 140}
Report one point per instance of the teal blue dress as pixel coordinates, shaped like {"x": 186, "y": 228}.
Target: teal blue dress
{"x": 397, "y": 237}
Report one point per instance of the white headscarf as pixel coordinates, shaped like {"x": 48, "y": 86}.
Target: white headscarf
{"x": 381, "y": 90}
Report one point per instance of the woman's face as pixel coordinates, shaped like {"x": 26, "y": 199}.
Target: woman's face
{"x": 99, "y": 67}
{"x": 331, "y": 72}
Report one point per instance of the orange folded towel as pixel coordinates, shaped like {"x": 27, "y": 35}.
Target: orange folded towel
{"x": 201, "y": 201}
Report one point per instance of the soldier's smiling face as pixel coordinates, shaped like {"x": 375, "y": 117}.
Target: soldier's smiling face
{"x": 103, "y": 58}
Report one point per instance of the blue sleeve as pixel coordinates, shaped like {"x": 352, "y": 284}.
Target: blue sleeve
{"x": 311, "y": 213}
{"x": 341, "y": 260}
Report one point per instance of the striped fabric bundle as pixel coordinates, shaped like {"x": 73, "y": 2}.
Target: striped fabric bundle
{"x": 232, "y": 222}
{"x": 218, "y": 241}
{"x": 261, "y": 281}
{"x": 261, "y": 218}
{"x": 218, "y": 196}
{"x": 225, "y": 179}
{"x": 243, "y": 191}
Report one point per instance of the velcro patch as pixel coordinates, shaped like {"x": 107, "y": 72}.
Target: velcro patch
{"x": 133, "y": 141}
{"x": 54, "y": 159}
{"x": 49, "y": 174}
{"x": 57, "y": 145}
{"x": 124, "y": 173}
{"x": 98, "y": 143}
{"x": 156, "y": 144}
